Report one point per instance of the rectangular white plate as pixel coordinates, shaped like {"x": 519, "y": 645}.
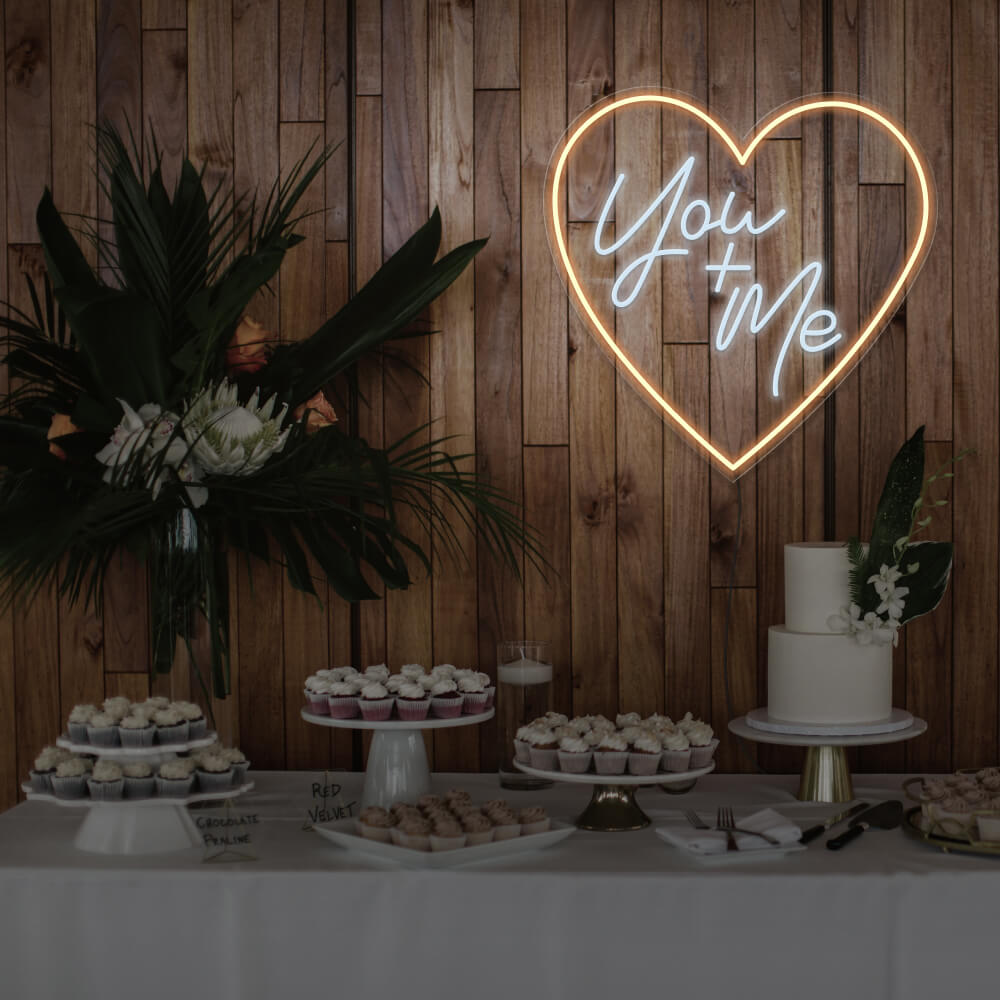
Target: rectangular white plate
{"x": 343, "y": 832}
{"x": 729, "y": 857}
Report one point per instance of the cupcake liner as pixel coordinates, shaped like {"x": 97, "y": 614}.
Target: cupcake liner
{"x": 539, "y": 826}
{"x": 78, "y": 732}
{"x": 343, "y": 706}
{"x": 507, "y": 832}
{"x": 139, "y": 788}
{"x": 413, "y": 710}
{"x": 439, "y": 843}
{"x": 378, "y": 710}
{"x": 989, "y": 827}
{"x": 105, "y": 736}
{"x": 240, "y": 769}
{"x": 479, "y": 837}
{"x": 197, "y": 728}
{"x": 610, "y": 761}
{"x": 74, "y": 787}
{"x": 574, "y": 763}
{"x": 641, "y": 764}
{"x": 172, "y": 734}
{"x": 415, "y": 841}
{"x": 394, "y": 835}
{"x": 174, "y": 788}
{"x": 544, "y": 760}
{"x": 676, "y": 761}
{"x": 215, "y": 781}
{"x": 41, "y": 781}
{"x": 383, "y": 834}
{"x": 319, "y": 704}
{"x": 105, "y": 791}
{"x": 491, "y": 696}
{"x": 137, "y": 737}
{"x": 522, "y": 751}
{"x": 474, "y": 702}
{"x": 446, "y": 708}
{"x": 702, "y": 756}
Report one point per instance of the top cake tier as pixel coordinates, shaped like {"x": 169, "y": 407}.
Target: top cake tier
{"x": 817, "y": 584}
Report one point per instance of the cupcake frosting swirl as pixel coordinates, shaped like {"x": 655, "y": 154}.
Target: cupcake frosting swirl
{"x": 106, "y": 770}
{"x": 174, "y": 770}
{"x": 137, "y": 769}
{"x": 675, "y": 740}
{"x": 613, "y": 742}
{"x": 412, "y": 692}
{"x": 444, "y": 685}
{"x": 374, "y": 691}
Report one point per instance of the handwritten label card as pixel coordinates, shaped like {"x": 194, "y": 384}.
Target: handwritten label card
{"x": 328, "y": 803}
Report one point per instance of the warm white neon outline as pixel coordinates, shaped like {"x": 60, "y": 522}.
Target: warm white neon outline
{"x": 742, "y": 158}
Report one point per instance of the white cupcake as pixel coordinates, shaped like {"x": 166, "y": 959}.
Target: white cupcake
{"x": 78, "y": 719}
{"x": 394, "y": 682}
{"x": 377, "y": 672}
{"x": 136, "y": 731}
{"x": 411, "y": 670}
{"x": 70, "y": 779}
{"x": 644, "y": 757}
{"x": 473, "y": 694}
{"x": 703, "y": 744}
{"x": 522, "y": 748}
{"x": 676, "y": 756}
{"x": 611, "y": 755}
{"x": 446, "y": 699}
{"x": 175, "y": 778}
{"x": 574, "y": 755}
{"x": 117, "y": 708}
{"x": 317, "y": 692}
{"x": 102, "y": 730}
{"x": 215, "y": 773}
{"x": 444, "y": 670}
{"x": 106, "y": 782}
{"x": 171, "y": 726}
{"x": 139, "y": 780}
{"x": 375, "y": 702}
{"x": 195, "y": 718}
{"x": 239, "y": 763}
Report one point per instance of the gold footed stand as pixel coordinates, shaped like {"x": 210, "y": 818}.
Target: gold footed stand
{"x": 825, "y": 776}
{"x": 612, "y": 809}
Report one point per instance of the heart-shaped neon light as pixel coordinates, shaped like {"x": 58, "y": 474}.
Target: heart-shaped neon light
{"x": 555, "y": 202}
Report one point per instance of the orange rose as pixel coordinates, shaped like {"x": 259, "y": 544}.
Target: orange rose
{"x": 60, "y": 426}
{"x": 249, "y": 349}
{"x": 320, "y": 413}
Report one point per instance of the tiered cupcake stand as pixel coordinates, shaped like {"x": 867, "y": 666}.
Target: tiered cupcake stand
{"x": 826, "y": 776}
{"x": 612, "y": 806}
{"x": 397, "y": 762}
{"x": 138, "y": 826}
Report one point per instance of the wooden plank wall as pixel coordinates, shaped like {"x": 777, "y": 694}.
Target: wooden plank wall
{"x": 458, "y": 103}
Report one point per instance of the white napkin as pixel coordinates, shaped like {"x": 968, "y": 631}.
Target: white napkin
{"x": 714, "y": 841}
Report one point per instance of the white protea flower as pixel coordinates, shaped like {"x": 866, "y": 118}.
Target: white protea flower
{"x": 233, "y": 439}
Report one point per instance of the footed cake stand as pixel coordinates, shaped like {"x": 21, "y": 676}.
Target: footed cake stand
{"x": 397, "y": 762}
{"x": 612, "y": 807}
{"x": 825, "y": 774}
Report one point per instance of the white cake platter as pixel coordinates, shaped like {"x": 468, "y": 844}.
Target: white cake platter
{"x": 138, "y": 826}
{"x": 743, "y": 727}
{"x": 397, "y": 761}
{"x": 612, "y": 807}
{"x": 136, "y": 753}
{"x": 898, "y": 720}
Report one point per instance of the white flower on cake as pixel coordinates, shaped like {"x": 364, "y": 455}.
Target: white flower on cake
{"x": 233, "y": 439}
{"x": 891, "y": 596}
{"x": 866, "y": 629}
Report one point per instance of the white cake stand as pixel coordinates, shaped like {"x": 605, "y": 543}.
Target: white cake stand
{"x": 138, "y": 826}
{"x": 150, "y": 755}
{"x": 612, "y": 807}
{"x": 397, "y": 762}
{"x": 825, "y": 774}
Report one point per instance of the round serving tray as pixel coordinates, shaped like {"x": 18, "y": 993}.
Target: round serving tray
{"x": 396, "y": 725}
{"x": 120, "y": 752}
{"x": 897, "y": 720}
{"x": 913, "y": 824}
{"x": 151, "y": 801}
{"x": 633, "y": 780}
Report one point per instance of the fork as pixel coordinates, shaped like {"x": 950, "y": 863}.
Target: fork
{"x": 725, "y": 820}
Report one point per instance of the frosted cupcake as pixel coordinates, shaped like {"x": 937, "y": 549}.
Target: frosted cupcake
{"x": 522, "y": 748}
{"x": 70, "y": 779}
{"x": 644, "y": 757}
{"x": 341, "y": 674}
{"x": 343, "y": 700}
{"x": 239, "y": 764}
{"x": 106, "y": 782}
{"x": 411, "y": 671}
{"x": 375, "y": 702}
{"x": 622, "y": 720}
{"x": 195, "y": 717}
{"x": 45, "y": 767}
{"x": 377, "y": 672}
{"x": 117, "y": 708}
{"x": 171, "y": 726}
{"x": 478, "y": 829}
{"x": 446, "y": 699}
{"x": 444, "y": 670}
{"x": 412, "y": 702}
{"x": 611, "y": 755}
{"x": 703, "y": 743}
{"x": 139, "y": 780}
{"x": 78, "y": 720}
{"x": 175, "y": 779}
{"x": 473, "y": 695}
{"x": 506, "y": 825}
{"x": 676, "y": 756}
{"x": 394, "y": 682}
{"x": 447, "y": 835}
{"x": 533, "y": 819}
{"x": 574, "y": 755}
{"x": 413, "y": 832}
{"x": 156, "y": 703}
{"x": 317, "y": 692}
{"x": 376, "y": 824}
{"x": 543, "y": 748}
{"x": 215, "y": 773}
{"x": 102, "y": 730}
{"x": 136, "y": 731}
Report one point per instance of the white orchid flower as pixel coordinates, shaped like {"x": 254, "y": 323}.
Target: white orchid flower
{"x": 894, "y": 603}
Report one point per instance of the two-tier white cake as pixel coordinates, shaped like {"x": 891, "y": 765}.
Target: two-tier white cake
{"x": 817, "y": 676}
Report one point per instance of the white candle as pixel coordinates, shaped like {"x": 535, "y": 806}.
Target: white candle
{"x": 523, "y": 672}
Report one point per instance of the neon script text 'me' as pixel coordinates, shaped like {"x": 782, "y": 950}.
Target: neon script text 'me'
{"x": 816, "y": 329}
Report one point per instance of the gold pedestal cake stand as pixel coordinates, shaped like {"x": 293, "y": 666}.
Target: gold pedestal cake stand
{"x": 612, "y": 807}
{"x": 825, "y": 775}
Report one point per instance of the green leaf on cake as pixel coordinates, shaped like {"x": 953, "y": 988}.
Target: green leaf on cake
{"x": 928, "y": 584}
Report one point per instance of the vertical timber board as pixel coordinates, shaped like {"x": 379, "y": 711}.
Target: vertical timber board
{"x": 164, "y": 110}
{"x": 496, "y": 44}
{"x": 9, "y": 777}
{"x": 731, "y": 99}
{"x": 543, "y": 296}
{"x": 134, "y": 686}
{"x": 686, "y": 575}
{"x": 780, "y": 504}
{"x": 976, "y": 280}
{"x": 590, "y": 48}
{"x": 881, "y": 74}
{"x": 368, "y": 47}
{"x": 301, "y": 59}
{"x": 929, "y": 346}
{"x": 305, "y": 637}
{"x": 684, "y": 54}
{"x": 498, "y": 359}
{"x": 740, "y": 667}
{"x": 338, "y": 96}
{"x": 638, "y": 428}
{"x": 778, "y": 59}
{"x": 452, "y": 352}
{"x": 164, "y": 14}
{"x": 593, "y": 520}
{"x": 882, "y": 380}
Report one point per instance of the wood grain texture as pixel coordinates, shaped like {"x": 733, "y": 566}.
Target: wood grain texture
{"x": 338, "y": 99}
{"x": 164, "y": 14}
{"x": 368, "y": 46}
{"x": 164, "y": 111}
{"x": 778, "y": 59}
{"x": 881, "y": 65}
{"x": 497, "y": 36}
{"x": 543, "y": 310}
{"x": 739, "y": 667}
{"x": 119, "y": 62}
{"x": 301, "y": 58}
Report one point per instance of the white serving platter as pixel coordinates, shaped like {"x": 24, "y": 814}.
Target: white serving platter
{"x": 397, "y": 725}
{"x": 154, "y": 801}
{"x": 139, "y": 753}
{"x": 897, "y": 720}
{"x": 592, "y": 778}
{"x": 343, "y": 832}
{"x": 723, "y": 858}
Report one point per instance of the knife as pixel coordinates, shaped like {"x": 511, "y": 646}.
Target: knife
{"x": 884, "y": 816}
{"x": 820, "y": 828}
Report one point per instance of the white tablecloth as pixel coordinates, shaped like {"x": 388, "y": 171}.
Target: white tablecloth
{"x": 599, "y": 915}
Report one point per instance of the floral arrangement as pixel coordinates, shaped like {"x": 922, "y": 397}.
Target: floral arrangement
{"x": 895, "y": 579}
{"x": 153, "y": 413}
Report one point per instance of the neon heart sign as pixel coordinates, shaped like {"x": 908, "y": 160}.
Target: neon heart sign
{"x": 671, "y": 226}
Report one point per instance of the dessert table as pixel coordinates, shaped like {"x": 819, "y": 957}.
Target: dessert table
{"x": 597, "y": 915}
